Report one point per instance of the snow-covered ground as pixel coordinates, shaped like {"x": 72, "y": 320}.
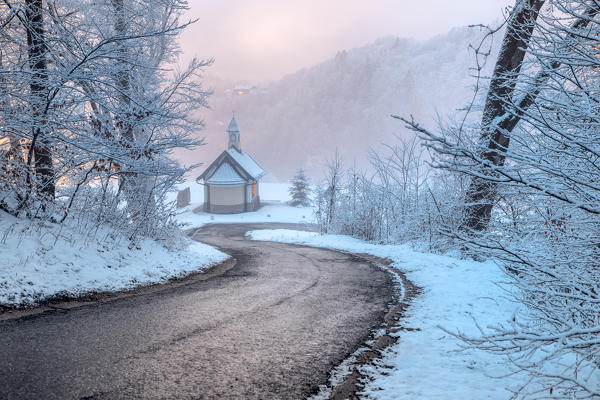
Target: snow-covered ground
{"x": 425, "y": 362}
{"x": 42, "y": 260}
{"x": 273, "y": 196}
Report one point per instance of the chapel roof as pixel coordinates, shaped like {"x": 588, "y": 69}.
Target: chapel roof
{"x": 225, "y": 175}
{"x": 232, "y": 167}
{"x": 247, "y": 163}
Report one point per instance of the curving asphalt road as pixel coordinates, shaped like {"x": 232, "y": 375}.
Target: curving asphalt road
{"x": 271, "y": 327}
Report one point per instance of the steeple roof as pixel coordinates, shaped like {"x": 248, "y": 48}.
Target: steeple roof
{"x": 233, "y": 125}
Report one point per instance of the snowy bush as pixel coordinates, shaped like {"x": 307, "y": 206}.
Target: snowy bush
{"x": 403, "y": 201}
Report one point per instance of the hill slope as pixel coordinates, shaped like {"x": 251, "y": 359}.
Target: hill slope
{"x": 345, "y": 102}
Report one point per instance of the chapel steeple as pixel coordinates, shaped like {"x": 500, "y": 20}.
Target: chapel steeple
{"x": 233, "y": 133}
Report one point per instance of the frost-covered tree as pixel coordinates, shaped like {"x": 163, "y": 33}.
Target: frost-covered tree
{"x": 400, "y": 200}
{"x": 540, "y": 169}
{"x": 300, "y": 189}
{"x": 328, "y": 196}
{"x": 93, "y": 104}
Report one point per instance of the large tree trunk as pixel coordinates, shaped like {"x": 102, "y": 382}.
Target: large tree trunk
{"x": 495, "y": 137}
{"x": 40, "y": 143}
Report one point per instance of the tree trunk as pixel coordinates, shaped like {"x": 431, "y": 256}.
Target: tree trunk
{"x": 127, "y": 179}
{"x": 40, "y": 143}
{"x": 482, "y": 192}
{"x": 15, "y": 150}
{"x": 122, "y": 74}
{"x": 137, "y": 188}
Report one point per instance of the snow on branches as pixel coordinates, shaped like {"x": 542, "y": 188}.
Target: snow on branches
{"x": 92, "y": 106}
{"x": 536, "y": 174}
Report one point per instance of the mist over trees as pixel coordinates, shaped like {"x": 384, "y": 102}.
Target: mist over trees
{"x": 91, "y": 109}
{"x": 302, "y": 118}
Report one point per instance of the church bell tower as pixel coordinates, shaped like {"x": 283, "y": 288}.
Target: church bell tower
{"x": 233, "y": 134}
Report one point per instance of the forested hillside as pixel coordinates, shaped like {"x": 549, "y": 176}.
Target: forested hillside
{"x": 344, "y": 102}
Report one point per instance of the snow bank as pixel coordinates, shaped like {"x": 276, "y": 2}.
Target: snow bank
{"x": 41, "y": 260}
{"x": 267, "y": 213}
{"x": 425, "y": 363}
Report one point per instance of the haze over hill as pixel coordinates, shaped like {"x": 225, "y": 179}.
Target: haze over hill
{"x": 343, "y": 103}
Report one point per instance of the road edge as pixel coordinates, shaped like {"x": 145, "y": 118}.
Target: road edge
{"x": 347, "y": 379}
{"x": 94, "y": 298}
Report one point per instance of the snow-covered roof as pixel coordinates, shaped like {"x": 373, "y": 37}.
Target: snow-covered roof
{"x": 247, "y": 163}
{"x": 233, "y": 126}
{"x": 225, "y": 175}
{"x": 232, "y": 167}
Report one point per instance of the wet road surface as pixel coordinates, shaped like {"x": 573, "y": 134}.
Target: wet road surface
{"x": 271, "y": 327}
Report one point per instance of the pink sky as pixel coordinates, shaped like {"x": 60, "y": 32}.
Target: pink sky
{"x": 266, "y": 39}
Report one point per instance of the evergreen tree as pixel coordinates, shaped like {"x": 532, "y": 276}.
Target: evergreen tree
{"x": 300, "y": 189}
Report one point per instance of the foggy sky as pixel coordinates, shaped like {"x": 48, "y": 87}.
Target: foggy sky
{"x": 260, "y": 40}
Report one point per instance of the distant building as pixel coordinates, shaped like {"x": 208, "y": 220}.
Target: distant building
{"x": 231, "y": 182}
{"x": 241, "y": 90}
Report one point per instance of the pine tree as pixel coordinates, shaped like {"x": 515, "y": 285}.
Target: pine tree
{"x": 300, "y": 189}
